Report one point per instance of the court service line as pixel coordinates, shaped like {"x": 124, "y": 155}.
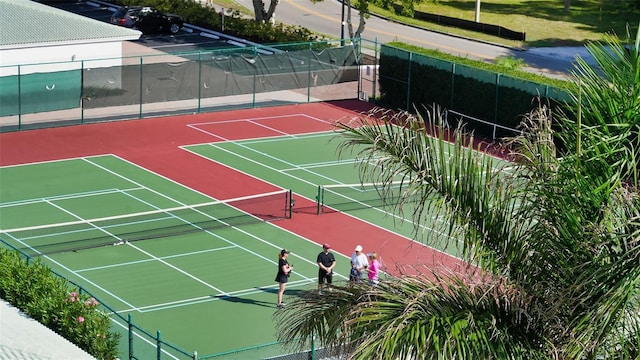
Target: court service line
{"x": 268, "y": 127}
{"x": 177, "y": 269}
{"x": 294, "y": 166}
{"x": 209, "y": 298}
{"x": 282, "y": 132}
{"x": 209, "y": 232}
{"x": 323, "y": 164}
{"x": 149, "y": 260}
{"x": 143, "y": 251}
{"x": 142, "y": 187}
{"x": 64, "y": 197}
{"x": 260, "y": 140}
{"x": 139, "y": 249}
{"x": 259, "y": 118}
{"x": 153, "y": 257}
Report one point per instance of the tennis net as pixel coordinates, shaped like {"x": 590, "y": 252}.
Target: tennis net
{"x": 84, "y": 234}
{"x": 348, "y": 197}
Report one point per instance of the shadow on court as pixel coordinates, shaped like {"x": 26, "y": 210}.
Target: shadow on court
{"x": 244, "y": 300}
{"x": 249, "y": 301}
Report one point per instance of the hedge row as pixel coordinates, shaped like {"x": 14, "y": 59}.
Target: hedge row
{"x": 234, "y": 24}
{"x": 31, "y": 287}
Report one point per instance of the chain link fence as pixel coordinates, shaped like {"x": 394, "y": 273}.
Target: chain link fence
{"x": 70, "y": 93}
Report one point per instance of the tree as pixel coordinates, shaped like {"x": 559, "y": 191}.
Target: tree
{"x": 556, "y": 233}
{"x": 266, "y": 15}
{"x": 262, "y": 14}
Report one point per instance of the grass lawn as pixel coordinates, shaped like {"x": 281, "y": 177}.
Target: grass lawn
{"x": 544, "y": 21}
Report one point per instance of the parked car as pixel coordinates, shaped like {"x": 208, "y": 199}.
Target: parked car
{"x": 147, "y": 19}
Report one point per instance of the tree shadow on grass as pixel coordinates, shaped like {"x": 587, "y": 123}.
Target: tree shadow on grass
{"x": 594, "y": 16}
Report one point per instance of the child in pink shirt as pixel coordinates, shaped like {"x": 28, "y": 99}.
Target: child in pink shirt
{"x": 374, "y": 269}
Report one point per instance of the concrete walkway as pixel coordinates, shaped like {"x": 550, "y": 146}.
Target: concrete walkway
{"x": 22, "y": 338}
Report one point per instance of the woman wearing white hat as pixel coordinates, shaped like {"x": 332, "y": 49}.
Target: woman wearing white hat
{"x": 359, "y": 265}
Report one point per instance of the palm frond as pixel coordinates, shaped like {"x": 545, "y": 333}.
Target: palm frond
{"x": 469, "y": 192}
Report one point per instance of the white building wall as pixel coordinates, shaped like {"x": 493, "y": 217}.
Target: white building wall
{"x": 59, "y": 57}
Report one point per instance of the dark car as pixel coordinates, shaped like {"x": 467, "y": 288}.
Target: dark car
{"x": 147, "y": 19}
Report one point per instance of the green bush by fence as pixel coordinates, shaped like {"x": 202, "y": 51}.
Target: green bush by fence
{"x": 30, "y": 286}
{"x": 74, "y": 313}
{"x": 235, "y": 25}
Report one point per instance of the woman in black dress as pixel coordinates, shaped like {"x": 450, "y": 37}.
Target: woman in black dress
{"x": 284, "y": 270}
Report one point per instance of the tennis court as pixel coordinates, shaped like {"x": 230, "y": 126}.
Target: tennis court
{"x": 132, "y": 200}
{"x": 175, "y": 261}
{"x": 312, "y": 167}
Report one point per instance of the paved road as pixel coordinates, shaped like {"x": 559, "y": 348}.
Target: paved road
{"x": 324, "y": 17}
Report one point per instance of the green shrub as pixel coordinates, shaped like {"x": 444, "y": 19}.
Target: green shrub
{"x": 513, "y": 71}
{"x": 234, "y": 24}
{"x": 31, "y": 287}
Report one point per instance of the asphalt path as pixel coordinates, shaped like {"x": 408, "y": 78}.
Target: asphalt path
{"x": 325, "y": 17}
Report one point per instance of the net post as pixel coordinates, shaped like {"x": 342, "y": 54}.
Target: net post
{"x": 291, "y": 203}
{"x": 159, "y": 346}
{"x": 319, "y": 200}
{"x": 130, "y": 332}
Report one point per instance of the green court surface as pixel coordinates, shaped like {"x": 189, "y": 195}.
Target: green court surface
{"x": 203, "y": 275}
{"x": 303, "y": 163}
{"x": 209, "y": 290}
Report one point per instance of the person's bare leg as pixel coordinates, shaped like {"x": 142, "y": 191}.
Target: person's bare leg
{"x": 281, "y": 292}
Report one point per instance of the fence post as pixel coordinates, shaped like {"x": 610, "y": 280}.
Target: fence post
{"x": 255, "y": 68}
{"x": 130, "y": 323}
{"x": 495, "y": 107}
{"x": 19, "y": 99}
{"x": 141, "y": 90}
{"x": 313, "y": 348}
{"x": 82, "y": 92}
{"x": 199, "y": 81}
{"x": 409, "y": 82}
{"x": 309, "y": 77}
{"x": 375, "y": 68}
{"x": 453, "y": 84}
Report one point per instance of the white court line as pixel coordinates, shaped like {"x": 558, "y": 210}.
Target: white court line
{"x": 259, "y": 118}
{"x": 294, "y": 166}
{"x": 322, "y": 164}
{"x": 64, "y": 197}
{"x": 211, "y": 233}
{"x": 103, "y": 230}
{"x": 149, "y": 260}
{"x": 210, "y": 298}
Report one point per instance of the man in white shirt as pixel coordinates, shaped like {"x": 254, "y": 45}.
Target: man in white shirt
{"x": 359, "y": 265}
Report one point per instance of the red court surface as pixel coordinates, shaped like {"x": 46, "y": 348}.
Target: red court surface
{"x": 155, "y": 145}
